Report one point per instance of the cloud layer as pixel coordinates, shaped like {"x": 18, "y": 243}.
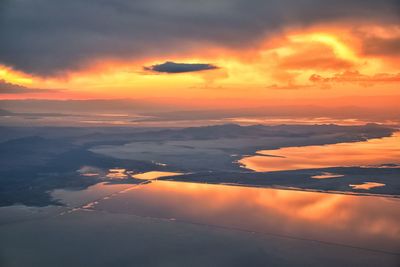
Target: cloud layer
{"x": 48, "y": 36}
{"x": 356, "y": 77}
{"x": 9, "y": 88}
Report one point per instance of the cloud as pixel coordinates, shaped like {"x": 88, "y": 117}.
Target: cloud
{"x": 382, "y": 46}
{"x": 10, "y": 88}
{"x": 172, "y": 67}
{"x": 289, "y": 86}
{"x": 314, "y": 56}
{"x": 46, "y": 37}
{"x": 380, "y": 41}
{"x": 356, "y": 77}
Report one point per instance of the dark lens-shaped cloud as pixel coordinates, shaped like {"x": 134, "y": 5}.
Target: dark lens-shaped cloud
{"x": 172, "y": 67}
{"x": 9, "y": 88}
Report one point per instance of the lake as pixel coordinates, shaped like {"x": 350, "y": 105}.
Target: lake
{"x": 373, "y": 152}
{"x": 203, "y": 225}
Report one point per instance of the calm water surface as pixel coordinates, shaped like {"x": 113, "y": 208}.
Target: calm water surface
{"x": 165, "y": 223}
{"x": 360, "y": 221}
{"x": 367, "y": 153}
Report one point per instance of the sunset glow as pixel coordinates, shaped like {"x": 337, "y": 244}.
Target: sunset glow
{"x": 321, "y": 61}
{"x": 221, "y": 133}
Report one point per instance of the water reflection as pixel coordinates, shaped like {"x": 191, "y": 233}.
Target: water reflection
{"x": 117, "y": 173}
{"x": 366, "y": 185}
{"x": 77, "y": 198}
{"x": 89, "y": 171}
{"x": 371, "y": 152}
{"x": 368, "y": 222}
{"x": 154, "y": 175}
{"x": 327, "y": 175}
{"x": 302, "y": 120}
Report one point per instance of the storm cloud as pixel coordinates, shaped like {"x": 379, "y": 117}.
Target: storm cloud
{"x": 172, "y": 67}
{"x": 49, "y": 36}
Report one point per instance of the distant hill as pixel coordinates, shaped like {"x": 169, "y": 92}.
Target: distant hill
{"x": 237, "y": 131}
{"x": 31, "y": 150}
{"x": 4, "y": 112}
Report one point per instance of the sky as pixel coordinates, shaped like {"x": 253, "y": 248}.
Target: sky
{"x": 210, "y": 51}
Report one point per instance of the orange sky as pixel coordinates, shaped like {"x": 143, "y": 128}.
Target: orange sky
{"x": 325, "y": 61}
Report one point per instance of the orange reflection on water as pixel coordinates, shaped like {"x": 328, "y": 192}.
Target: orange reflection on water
{"x": 327, "y": 175}
{"x": 372, "y": 152}
{"x": 353, "y": 220}
{"x": 366, "y": 185}
{"x": 154, "y": 175}
{"x": 117, "y": 173}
